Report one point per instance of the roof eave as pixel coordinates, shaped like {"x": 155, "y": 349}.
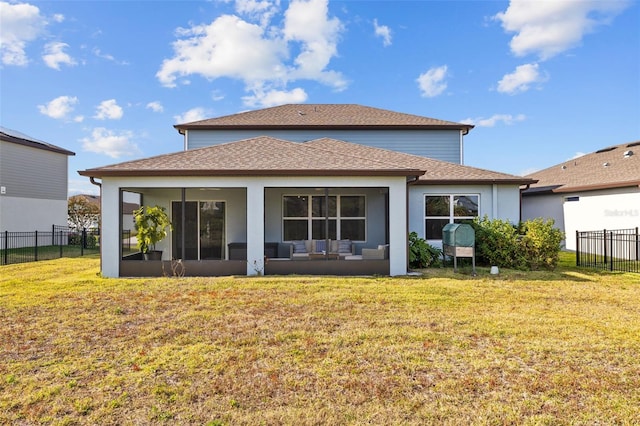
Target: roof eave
{"x": 33, "y": 144}
{"x": 97, "y": 173}
{"x": 595, "y": 187}
{"x": 182, "y": 127}
{"x": 506, "y": 181}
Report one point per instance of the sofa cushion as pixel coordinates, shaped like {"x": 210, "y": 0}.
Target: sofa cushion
{"x": 321, "y": 245}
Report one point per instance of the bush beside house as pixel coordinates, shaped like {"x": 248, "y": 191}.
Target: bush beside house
{"x": 533, "y": 245}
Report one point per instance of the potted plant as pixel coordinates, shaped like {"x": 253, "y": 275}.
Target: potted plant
{"x": 151, "y": 224}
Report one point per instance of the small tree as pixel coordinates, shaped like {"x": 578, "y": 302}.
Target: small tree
{"x": 151, "y": 224}
{"x": 82, "y": 213}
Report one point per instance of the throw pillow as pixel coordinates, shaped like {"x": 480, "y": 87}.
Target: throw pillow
{"x": 299, "y": 247}
{"x": 344, "y": 246}
{"x": 321, "y": 245}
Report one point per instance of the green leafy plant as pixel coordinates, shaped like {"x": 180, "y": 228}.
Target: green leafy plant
{"x": 421, "y": 253}
{"x": 151, "y": 223}
{"x": 541, "y": 243}
{"x": 532, "y": 245}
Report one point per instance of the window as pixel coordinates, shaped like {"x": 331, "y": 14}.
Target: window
{"x": 443, "y": 209}
{"x": 305, "y": 217}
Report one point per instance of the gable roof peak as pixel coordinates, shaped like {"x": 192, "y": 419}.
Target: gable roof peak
{"x": 322, "y": 116}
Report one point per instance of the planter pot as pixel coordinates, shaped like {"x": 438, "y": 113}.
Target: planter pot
{"x": 153, "y": 255}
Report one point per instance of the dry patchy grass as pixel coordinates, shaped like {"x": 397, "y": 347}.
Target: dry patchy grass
{"x": 518, "y": 348}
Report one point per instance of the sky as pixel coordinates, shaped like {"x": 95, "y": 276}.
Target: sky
{"x": 542, "y": 81}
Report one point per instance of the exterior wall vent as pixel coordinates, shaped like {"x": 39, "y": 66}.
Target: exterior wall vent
{"x": 627, "y": 154}
{"x": 600, "y": 151}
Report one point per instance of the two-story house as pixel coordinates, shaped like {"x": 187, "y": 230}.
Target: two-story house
{"x": 33, "y": 183}
{"x": 348, "y": 178}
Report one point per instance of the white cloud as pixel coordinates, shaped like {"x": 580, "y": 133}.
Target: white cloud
{"x": 108, "y": 57}
{"x": 19, "y": 25}
{"x": 276, "y": 97}
{"x": 59, "y": 108}
{"x": 507, "y": 119}
{"x": 194, "y": 114}
{"x": 577, "y": 155}
{"x": 261, "y": 11}
{"x": 547, "y": 28}
{"x": 108, "y": 142}
{"x": 257, "y": 53}
{"x": 521, "y": 79}
{"x": 432, "y": 82}
{"x": 155, "y": 106}
{"x": 382, "y": 31}
{"x": 54, "y": 55}
{"x": 108, "y": 109}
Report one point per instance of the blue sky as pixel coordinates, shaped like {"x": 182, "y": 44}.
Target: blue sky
{"x": 542, "y": 81}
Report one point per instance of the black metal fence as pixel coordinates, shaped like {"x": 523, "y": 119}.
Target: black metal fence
{"x": 20, "y": 247}
{"x": 613, "y": 250}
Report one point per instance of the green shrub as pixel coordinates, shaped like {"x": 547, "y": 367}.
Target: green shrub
{"x": 541, "y": 243}
{"x": 532, "y": 245}
{"x": 421, "y": 253}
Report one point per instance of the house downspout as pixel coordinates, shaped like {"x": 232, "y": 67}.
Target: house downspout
{"x": 521, "y": 191}
{"x": 462, "y": 147}
{"x": 494, "y": 189}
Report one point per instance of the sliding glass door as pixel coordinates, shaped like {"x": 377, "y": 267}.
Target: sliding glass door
{"x": 204, "y": 230}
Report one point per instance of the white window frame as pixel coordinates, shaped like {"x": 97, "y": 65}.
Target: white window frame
{"x": 451, "y": 217}
{"x": 310, "y": 218}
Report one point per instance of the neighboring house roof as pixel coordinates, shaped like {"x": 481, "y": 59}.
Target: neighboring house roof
{"x": 12, "y": 136}
{"x": 616, "y": 166}
{"x": 322, "y": 116}
{"x": 322, "y": 157}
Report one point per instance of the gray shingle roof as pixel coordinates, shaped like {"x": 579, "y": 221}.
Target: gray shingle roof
{"x": 603, "y": 169}
{"x": 335, "y": 116}
{"x": 322, "y": 157}
{"x": 436, "y": 171}
{"x": 256, "y": 156}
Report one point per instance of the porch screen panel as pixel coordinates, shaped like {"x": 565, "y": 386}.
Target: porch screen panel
{"x": 191, "y": 229}
{"x": 212, "y": 230}
{"x": 295, "y": 211}
{"x": 353, "y": 217}
{"x": 319, "y": 210}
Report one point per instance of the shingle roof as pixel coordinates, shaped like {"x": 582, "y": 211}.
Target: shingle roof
{"x": 256, "y": 156}
{"x": 324, "y": 116}
{"x": 12, "y": 136}
{"x": 603, "y": 169}
{"x": 322, "y": 157}
{"x": 436, "y": 171}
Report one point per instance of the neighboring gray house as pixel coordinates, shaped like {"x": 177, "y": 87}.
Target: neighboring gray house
{"x": 597, "y": 191}
{"x": 33, "y": 183}
{"x": 262, "y": 183}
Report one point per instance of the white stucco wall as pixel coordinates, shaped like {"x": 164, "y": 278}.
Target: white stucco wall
{"x": 597, "y": 210}
{"x": 31, "y": 214}
{"x": 496, "y": 201}
{"x": 162, "y": 190}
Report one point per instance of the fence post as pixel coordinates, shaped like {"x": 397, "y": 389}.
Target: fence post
{"x": 637, "y": 245}
{"x": 577, "y": 248}
{"x": 83, "y": 241}
{"x": 611, "y": 251}
{"x": 35, "y": 252}
{"x": 60, "y": 242}
{"x": 6, "y": 247}
{"x": 604, "y": 246}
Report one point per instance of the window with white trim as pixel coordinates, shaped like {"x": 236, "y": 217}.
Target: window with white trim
{"x": 305, "y": 217}
{"x": 448, "y": 208}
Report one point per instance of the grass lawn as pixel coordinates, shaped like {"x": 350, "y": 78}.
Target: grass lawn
{"x": 533, "y": 348}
